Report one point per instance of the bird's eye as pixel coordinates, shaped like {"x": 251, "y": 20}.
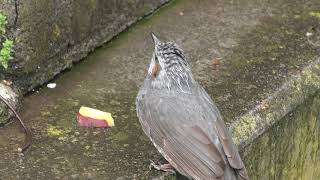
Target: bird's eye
{"x": 156, "y": 59}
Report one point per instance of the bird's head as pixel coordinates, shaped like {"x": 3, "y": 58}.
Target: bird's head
{"x": 168, "y": 66}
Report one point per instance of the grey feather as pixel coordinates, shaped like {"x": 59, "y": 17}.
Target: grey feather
{"x": 183, "y": 122}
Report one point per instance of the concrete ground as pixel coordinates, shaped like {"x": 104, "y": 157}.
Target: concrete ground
{"x": 242, "y": 52}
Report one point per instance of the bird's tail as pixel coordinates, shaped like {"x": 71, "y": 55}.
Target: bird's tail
{"x": 232, "y": 174}
{"x": 242, "y": 174}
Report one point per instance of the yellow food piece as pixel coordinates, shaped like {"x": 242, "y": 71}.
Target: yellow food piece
{"x": 97, "y": 114}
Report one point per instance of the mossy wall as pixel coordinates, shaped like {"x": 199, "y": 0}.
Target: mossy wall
{"x": 50, "y": 35}
{"x": 290, "y": 149}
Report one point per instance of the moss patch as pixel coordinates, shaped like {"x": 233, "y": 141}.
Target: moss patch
{"x": 244, "y": 129}
{"x": 3, "y": 23}
{"x": 56, "y": 132}
{"x": 315, "y": 14}
{"x": 290, "y": 149}
{"x": 7, "y": 45}
{"x": 120, "y": 136}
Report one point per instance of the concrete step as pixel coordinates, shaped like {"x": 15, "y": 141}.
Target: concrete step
{"x": 266, "y": 67}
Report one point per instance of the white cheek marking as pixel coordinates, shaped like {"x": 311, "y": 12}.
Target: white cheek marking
{"x": 151, "y": 66}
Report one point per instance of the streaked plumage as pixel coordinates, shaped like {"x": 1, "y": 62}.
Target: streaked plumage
{"x": 182, "y": 121}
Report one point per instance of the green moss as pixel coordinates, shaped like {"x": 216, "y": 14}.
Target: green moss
{"x": 290, "y": 149}
{"x": 59, "y": 133}
{"x": 56, "y": 31}
{"x": 244, "y": 128}
{"x": 311, "y": 79}
{"x": 120, "y": 136}
{"x": 6, "y": 53}
{"x": 93, "y": 4}
{"x": 7, "y": 45}
{"x": 315, "y": 14}
{"x": 3, "y": 22}
{"x": 271, "y": 111}
{"x": 53, "y": 131}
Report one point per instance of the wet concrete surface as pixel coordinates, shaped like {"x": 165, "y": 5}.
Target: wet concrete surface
{"x": 257, "y": 44}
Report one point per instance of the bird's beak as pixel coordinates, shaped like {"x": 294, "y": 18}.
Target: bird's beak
{"x": 156, "y": 40}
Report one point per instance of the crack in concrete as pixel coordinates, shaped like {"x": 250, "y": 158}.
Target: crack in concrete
{"x": 16, "y": 6}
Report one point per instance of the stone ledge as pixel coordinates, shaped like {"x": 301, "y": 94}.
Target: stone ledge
{"x": 291, "y": 94}
{"x": 261, "y": 46}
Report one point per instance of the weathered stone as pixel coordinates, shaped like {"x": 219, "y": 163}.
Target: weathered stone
{"x": 292, "y": 93}
{"x": 9, "y": 9}
{"x": 50, "y": 35}
{"x": 267, "y": 67}
{"x": 289, "y": 149}
{"x": 12, "y": 98}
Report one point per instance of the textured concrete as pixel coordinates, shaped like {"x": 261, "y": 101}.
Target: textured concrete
{"x": 285, "y": 99}
{"x": 51, "y": 35}
{"x": 290, "y": 149}
{"x": 268, "y": 66}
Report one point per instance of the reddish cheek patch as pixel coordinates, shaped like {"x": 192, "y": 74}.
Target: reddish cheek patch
{"x": 156, "y": 70}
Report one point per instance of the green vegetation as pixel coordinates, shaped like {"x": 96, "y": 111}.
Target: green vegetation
{"x": 315, "y": 14}
{"x": 6, "y": 53}
{"x": 7, "y": 45}
{"x": 3, "y": 22}
{"x": 57, "y": 132}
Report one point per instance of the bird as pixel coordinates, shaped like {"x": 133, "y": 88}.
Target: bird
{"x": 183, "y": 122}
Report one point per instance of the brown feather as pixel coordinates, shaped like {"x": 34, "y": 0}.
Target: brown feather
{"x": 156, "y": 70}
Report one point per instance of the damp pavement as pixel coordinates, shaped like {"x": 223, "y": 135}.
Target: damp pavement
{"x": 240, "y": 51}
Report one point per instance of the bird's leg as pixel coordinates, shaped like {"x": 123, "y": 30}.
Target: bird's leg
{"x": 162, "y": 167}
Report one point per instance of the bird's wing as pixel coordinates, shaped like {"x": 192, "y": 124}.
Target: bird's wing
{"x": 229, "y": 148}
{"x": 179, "y": 128}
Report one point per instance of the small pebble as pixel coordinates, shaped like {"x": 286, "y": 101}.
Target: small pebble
{"x": 51, "y": 85}
{"x": 308, "y": 34}
{"x": 19, "y": 150}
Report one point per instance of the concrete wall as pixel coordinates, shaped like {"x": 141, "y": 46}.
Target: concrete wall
{"x": 290, "y": 149}
{"x": 50, "y": 35}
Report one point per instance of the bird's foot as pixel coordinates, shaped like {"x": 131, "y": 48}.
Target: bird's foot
{"x": 162, "y": 167}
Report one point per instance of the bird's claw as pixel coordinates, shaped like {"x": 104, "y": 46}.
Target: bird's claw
{"x": 154, "y": 165}
{"x": 162, "y": 167}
